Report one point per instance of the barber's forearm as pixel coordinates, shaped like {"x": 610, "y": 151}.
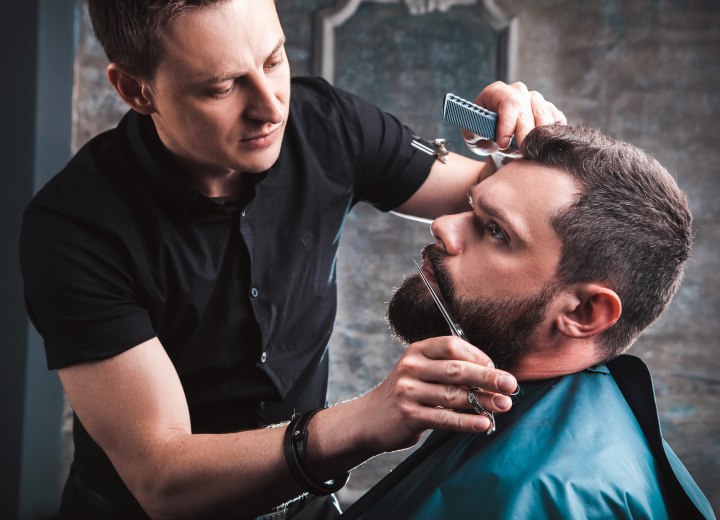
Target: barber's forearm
{"x": 147, "y": 434}
{"x": 445, "y": 189}
{"x": 246, "y": 471}
{"x": 199, "y": 474}
{"x": 193, "y": 475}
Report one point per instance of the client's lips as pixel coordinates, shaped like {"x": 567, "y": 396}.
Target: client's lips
{"x": 428, "y": 271}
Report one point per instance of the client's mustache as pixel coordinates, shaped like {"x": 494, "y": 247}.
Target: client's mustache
{"x": 445, "y": 284}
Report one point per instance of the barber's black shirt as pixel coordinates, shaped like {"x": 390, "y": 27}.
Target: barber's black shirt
{"x": 118, "y": 249}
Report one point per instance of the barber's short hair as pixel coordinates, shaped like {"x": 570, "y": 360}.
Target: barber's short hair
{"x": 630, "y": 227}
{"x": 129, "y": 30}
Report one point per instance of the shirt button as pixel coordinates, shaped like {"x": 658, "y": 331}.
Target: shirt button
{"x": 263, "y": 357}
{"x": 262, "y": 405}
{"x": 242, "y": 213}
{"x": 307, "y": 240}
{"x": 254, "y": 292}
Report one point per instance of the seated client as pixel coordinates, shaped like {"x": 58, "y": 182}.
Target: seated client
{"x": 563, "y": 258}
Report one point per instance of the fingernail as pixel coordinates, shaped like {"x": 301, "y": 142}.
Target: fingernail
{"x": 481, "y": 424}
{"x": 506, "y": 383}
{"x": 502, "y": 402}
{"x": 504, "y": 142}
{"x": 490, "y": 364}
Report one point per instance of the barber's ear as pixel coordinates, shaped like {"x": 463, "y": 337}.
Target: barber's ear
{"x": 588, "y": 310}
{"x": 134, "y": 91}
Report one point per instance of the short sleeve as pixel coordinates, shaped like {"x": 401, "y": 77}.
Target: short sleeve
{"x": 78, "y": 288}
{"x": 392, "y": 169}
{"x": 388, "y": 169}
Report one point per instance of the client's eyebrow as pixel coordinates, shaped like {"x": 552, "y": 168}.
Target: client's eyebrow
{"x": 511, "y": 225}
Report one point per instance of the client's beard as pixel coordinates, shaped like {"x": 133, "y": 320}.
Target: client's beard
{"x": 500, "y": 327}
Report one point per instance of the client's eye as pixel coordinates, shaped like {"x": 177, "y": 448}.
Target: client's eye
{"x": 496, "y": 231}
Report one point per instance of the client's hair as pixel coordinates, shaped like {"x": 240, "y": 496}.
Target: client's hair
{"x": 630, "y": 227}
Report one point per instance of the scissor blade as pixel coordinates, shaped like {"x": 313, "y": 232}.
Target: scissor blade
{"x": 454, "y": 328}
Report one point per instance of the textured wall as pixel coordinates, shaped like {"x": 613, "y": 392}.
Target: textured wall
{"x": 406, "y": 64}
{"x": 645, "y": 71}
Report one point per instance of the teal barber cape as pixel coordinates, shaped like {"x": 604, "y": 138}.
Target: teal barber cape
{"x": 586, "y": 445}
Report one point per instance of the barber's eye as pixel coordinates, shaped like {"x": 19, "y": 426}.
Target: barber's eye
{"x": 222, "y": 93}
{"x": 274, "y": 62}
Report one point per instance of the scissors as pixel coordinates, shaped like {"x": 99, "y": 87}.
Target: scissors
{"x": 457, "y": 331}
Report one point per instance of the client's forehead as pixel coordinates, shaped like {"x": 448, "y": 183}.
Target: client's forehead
{"x": 527, "y": 195}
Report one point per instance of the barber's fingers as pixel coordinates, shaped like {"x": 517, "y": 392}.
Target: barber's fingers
{"x": 450, "y": 396}
{"x": 526, "y": 117}
{"x": 451, "y": 347}
{"x": 542, "y": 114}
{"x": 452, "y": 361}
{"x": 492, "y": 402}
{"x": 446, "y": 419}
{"x": 509, "y": 101}
{"x": 428, "y": 388}
{"x": 519, "y": 110}
{"x": 558, "y": 116}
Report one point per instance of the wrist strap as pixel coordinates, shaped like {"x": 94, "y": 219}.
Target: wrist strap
{"x": 295, "y": 449}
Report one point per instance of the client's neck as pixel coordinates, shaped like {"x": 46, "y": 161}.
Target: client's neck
{"x": 556, "y": 360}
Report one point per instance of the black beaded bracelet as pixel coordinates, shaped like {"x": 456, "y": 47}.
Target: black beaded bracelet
{"x": 295, "y": 449}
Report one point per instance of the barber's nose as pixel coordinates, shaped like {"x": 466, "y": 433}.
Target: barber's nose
{"x": 448, "y": 232}
{"x": 263, "y": 104}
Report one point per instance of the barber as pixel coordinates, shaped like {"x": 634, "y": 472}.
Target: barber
{"x": 181, "y": 271}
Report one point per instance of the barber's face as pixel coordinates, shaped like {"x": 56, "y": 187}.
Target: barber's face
{"x": 494, "y": 265}
{"x": 222, "y": 90}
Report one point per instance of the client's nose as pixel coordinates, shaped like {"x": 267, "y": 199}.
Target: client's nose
{"x": 448, "y": 232}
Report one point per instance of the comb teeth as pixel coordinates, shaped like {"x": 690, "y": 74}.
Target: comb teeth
{"x": 461, "y": 112}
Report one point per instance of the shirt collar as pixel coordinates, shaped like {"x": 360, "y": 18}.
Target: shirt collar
{"x": 161, "y": 170}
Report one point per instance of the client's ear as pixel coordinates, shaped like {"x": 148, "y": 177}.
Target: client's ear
{"x": 588, "y": 310}
{"x": 134, "y": 91}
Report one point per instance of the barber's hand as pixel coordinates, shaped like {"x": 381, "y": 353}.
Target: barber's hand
{"x": 518, "y": 109}
{"x": 426, "y": 389}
